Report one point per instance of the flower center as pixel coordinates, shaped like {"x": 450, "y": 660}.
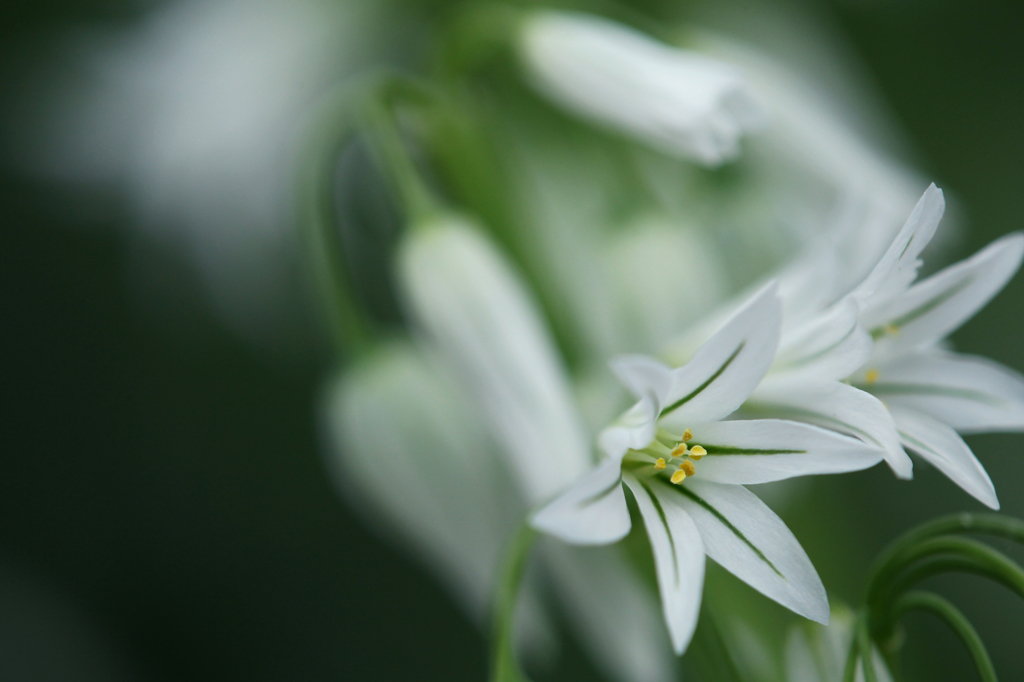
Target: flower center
{"x": 668, "y": 451}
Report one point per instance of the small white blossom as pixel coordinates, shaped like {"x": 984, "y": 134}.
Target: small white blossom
{"x": 686, "y": 465}
{"x": 884, "y": 340}
{"x": 677, "y": 101}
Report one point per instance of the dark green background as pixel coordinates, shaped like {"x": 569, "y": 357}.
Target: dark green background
{"x": 164, "y": 512}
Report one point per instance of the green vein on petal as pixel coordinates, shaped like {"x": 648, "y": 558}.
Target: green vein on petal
{"x": 728, "y": 524}
{"x": 920, "y": 311}
{"x": 668, "y": 531}
{"x": 598, "y": 495}
{"x": 679, "y": 403}
{"x": 730, "y": 450}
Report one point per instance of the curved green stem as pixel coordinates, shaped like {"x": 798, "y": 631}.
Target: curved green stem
{"x": 334, "y": 125}
{"x": 850, "y": 671}
{"x": 864, "y": 644}
{"x": 986, "y": 524}
{"x": 995, "y": 566}
{"x": 928, "y": 601}
{"x": 416, "y": 200}
{"x": 503, "y": 664}
{"x": 369, "y": 105}
{"x": 962, "y": 551}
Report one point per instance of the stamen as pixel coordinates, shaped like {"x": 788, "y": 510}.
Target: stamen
{"x": 696, "y": 452}
{"x": 871, "y": 376}
{"x": 680, "y": 450}
{"x": 687, "y": 435}
{"x": 660, "y": 464}
{"x": 688, "y": 468}
{"x": 678, "y": 476}
{"x": 891, "y": 330}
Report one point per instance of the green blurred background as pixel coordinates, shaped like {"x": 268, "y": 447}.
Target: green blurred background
{"x": 164, "y": 509}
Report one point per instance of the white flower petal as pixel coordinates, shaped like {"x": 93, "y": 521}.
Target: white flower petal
{"x": 946, "y": 451}
{"x": 763, "y": 450}
{"x": 971, "y": 394}
{"x": 643, "y": 375}
{"x": 649, "y": 380}
{"x": 678, "y": 557}
{"x": 615, "y": 615}
{"x": 592, "y": 511}
{"x": 934, "y": 307}
{"x": 633, "y": 429}
{"x": 469, "y": 298}
{"x": 898, "y": 267}
{"x": 837, "y": 406}
{"x": 742, "y": 534}
{"x": 677, "y": 101}
{"x": 728, "y": 366}
{"x": 829, "y": 346}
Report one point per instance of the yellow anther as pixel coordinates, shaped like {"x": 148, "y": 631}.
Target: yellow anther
{"x": 688, "y": 468}
{"x": 660, "y": 464}
{"x": 687, "y": 435}
{"x": 871, "y": 376}
{"x": 696, "y": 452}
{"x": 891, "y": 330}
{"x": 680, "y": 450}
{"x": 678, "y": 477}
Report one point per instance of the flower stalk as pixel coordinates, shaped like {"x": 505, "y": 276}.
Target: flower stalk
{"x": 503, "y": 664}
{"x": 369, "y": 107}
{"x": 928, "y": 550}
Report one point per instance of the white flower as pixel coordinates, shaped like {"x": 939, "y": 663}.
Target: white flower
{"x": 692, "y": 508}
{"x": 884, "y": 338}
{"x": 413, "y": 457}
{"x": 815, "y": 653}
{"x": 677, "y": 101}
{"x": 468, "y": 299}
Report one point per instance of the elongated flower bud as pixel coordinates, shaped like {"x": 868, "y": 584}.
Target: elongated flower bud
{"x": 677, "y": 101}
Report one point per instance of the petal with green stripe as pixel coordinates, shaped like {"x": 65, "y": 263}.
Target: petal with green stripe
{"x": 678, "y": 558}
{"x": 742, "y": 534}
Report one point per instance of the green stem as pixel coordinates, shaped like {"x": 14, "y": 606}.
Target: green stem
{"x": 995, "y": 566}
{"x": 503, "y": 664}
{"x": 850, "y": 671}
{"x": 371, "y": 106}
{"x": 986, "y": 524}
{"x": 865, "y": 646}
{"x": 983, "y": 559}
{"x": 927, "y": 601}
{"x": 333, "y": 126}
{"x": 417, "y": 201}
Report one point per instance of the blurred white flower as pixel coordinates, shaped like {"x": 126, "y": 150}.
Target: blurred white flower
{"x": 817, "y": 653}
{"x": 656, "y": 449}
{"x": 191, "y": 116}
{"x": 935, "y": 394}
{"x": 468, "y": 299}
{"x": 410, "y": 456}
{"x": 679, "y": 102}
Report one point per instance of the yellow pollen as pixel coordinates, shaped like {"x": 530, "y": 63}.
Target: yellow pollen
{"x": 679, "y": 450}
{"x": 891, "y": 330}
{"x": 871, "y": 376}
{"x": 678, "y": 477}
{"x": 687, "y": 435}
{"x": 688, "y": 468}
{"x": 696, "y": 452}
{"x": 660, "y": 464}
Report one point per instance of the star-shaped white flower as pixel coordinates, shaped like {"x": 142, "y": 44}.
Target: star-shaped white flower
{"x": 686, "y": 466}
{"x": 677, "y": 101}
{"x": 884, "y": 338}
